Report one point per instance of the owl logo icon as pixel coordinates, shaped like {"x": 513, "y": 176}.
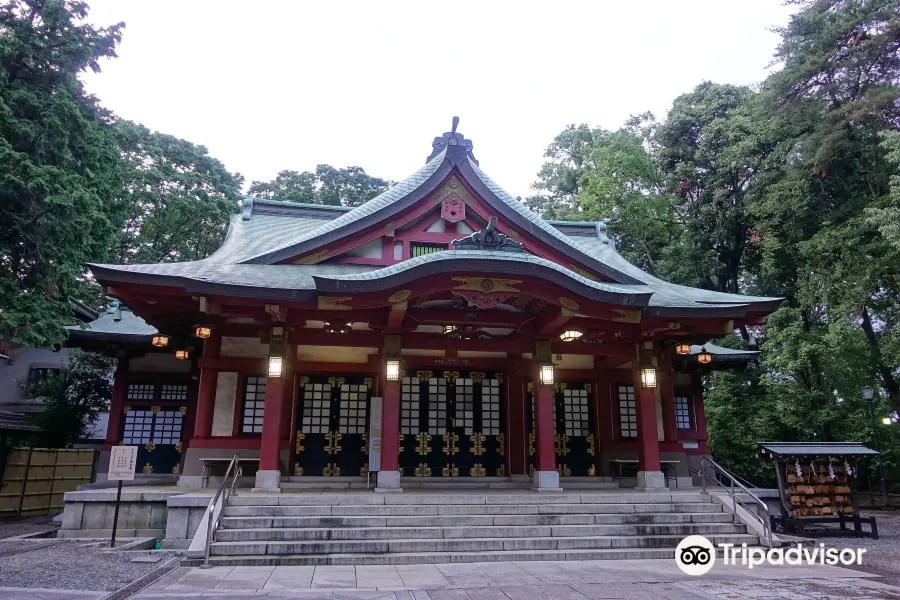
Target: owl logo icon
{"x": 695, "y": 555}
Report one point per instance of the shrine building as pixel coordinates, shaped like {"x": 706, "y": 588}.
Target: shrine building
{"x": 502, "y": 346}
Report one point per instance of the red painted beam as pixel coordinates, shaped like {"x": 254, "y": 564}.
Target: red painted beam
{"x": 550, "y": 321}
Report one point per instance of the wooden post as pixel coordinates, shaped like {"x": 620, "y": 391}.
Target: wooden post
{"x": 206, "y": 393}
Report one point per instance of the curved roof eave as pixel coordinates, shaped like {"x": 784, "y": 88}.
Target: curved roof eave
{"x": 487, "y": 261}
{"x": 404, "y": 194}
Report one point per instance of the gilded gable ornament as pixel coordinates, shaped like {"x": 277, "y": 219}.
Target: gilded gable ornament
{"x": 489, "y": 238}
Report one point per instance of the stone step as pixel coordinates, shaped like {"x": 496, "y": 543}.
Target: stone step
{"x": 473, "y": 520}
{"x": 468, "y": 532}
{"x": 401, "y": 558}
{"x": 473, "y": 545}
{"x": 363, "y": 499}
{"x": 250, "y": 510}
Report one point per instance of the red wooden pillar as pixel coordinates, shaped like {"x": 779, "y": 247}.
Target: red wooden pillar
{"x": 389, "y": 474}
{"x": 117, "y": 404}
{"x": 268, "y": 477}
{"x": 649, "y": 471}
{"x": 206, "y": 393}
{"x": 699, "y": 411}
{"x": 516, "y": 447}
{"x": 545, "y": 475}
{"x": 667, "y": 400}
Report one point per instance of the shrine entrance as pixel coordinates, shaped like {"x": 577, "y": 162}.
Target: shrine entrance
{"x": 574, "y": 435}
{"x": 452, "y": 424}
{"x": 332, "y": 426}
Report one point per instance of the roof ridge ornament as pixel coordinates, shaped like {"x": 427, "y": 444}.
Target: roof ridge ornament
{"x": 456, "y": 144}
{"x": 489, "y": 238}
{"x": 603, "y": 233}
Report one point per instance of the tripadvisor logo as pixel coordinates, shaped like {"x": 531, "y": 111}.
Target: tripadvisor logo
{"x": 696, "y": 555}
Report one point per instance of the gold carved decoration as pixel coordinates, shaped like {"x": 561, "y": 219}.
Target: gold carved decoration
{"x": 311, "y": 259}
{"x": 423, "y": 470}
{"x": 568, "y": 303}
{"x": 450, "y": 470}
{"x": 365, "y": 447}
{"x": 501, "y": 471}
{"x": 588, "y": 387}
{"x": 147, "y": 468}
{"x": 298, "y": 470}
{"x": 182, "y": 409}
{"x": 627, "y": 316}
{"x": 486, "y": 284}
{"x": 368, "y": 382}
{"x": 400, "y": 470}
{"x": 400, "y": 444}
{"x": 176, "y": 469}
{"x": 364, "y": 470}
{"x": 592, "y": 472}
{"x": 585, "y": 274}
{"x": 530, "y": 444}
{"x": 335, "y": 302}
{"x": 560, "y": 387}
{"x": 155, "y": 409}
{"x": 531, "y": 469}
{"x": 126, "y": 408}
{"x": 299, "y": 447}
{"x": 451, "y": 375}
{"x": 453, "y": 186}
{"x": 564, "y": 470}
{"x": 476, "y": 377}
{"x": 450, "y": 440}
{"x": 477, "y": 447}
{"x": 178, "y": 447}
{"x": 334, "y": 442}
{"x": 304, "y": 379}
{"x": 562, "y": 444}
{"x": 477, "y": 471}
{"x": 590, "y": 443}
{"x": 400, "y": 296}
{"x": 501, "y": 441}
{"x": 150, "y": 446}
{"x": 336, "y": 382}
{"x": 422, "y": 446}
{"x": 424, "y": 374}
{"x": 530, "y": 386}
{"x": 331, "y": 470}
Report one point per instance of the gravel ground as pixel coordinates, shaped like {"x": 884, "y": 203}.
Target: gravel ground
{"x": 14, "y": 527}
{"x": 882, "y": 556}
{"x": 72, "y": 565}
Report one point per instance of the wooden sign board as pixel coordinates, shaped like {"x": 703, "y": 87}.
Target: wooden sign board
{"x": 122, "y": 462}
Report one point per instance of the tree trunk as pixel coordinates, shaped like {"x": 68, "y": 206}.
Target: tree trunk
{"x": 887, "y": 377}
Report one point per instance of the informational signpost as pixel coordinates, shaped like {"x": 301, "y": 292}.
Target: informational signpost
{"x": 122, "y": 462}
{"x": 374, "y": 436}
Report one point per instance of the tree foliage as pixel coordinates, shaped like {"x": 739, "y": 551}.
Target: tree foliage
{"x": 72, "y": 399}
{"x": 350, "y": 186}
{"x": 790, "y": 190}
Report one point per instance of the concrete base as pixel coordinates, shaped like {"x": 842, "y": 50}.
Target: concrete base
{"x": 268, "y": 481}
{"x": 651, "y": 481}
{"x": 546, "y": 481}
{"x": 191, "y": 482}
{"x": 388, "y": 482}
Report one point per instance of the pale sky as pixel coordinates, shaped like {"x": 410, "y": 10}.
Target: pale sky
{"x": 275, "y": 85}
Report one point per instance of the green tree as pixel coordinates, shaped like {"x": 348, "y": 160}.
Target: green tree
{"x": 179, "y": 198}
{"x": 58, "y": 164}
{"x": 72, "y": 399}
{"x": 350, "y": 186}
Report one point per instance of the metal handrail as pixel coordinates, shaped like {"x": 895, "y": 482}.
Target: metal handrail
{"x": 765, "y": 520}
{"x": 211, "y": 526}
{"x": 740, "y": 479}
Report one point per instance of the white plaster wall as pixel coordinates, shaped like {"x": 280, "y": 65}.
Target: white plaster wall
{"x": 223, "y": 411}
{"x": 159, "y": 362}
{"x": 240, "y": 347}
{"x": 372, "y": 249}
{"x": 461, "y": 227}
{"x": 438, "y": 226}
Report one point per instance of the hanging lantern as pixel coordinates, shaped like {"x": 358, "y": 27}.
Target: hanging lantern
{"x": 545, "y": 372}
{"x": 704, "y": 358}
{"x": 202, "y": 331}
{"x": 276, "y": 364}
{"x": 160, "y": 340}
{"x": 886, "y": 420}
{"x": 182, "y": 354}
{"x": 648, "y": 377}
{"x": 392, "y": 370}
{"x": 570, "y": 335}
{"x": 683, "y": 349}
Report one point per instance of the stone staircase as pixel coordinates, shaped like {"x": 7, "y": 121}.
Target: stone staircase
{"x": 408, "y": 528}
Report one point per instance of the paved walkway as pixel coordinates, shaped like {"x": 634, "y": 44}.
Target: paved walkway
{"x": 573, "y": 580}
